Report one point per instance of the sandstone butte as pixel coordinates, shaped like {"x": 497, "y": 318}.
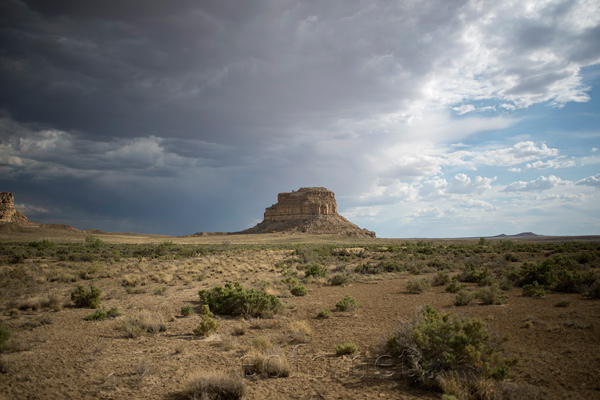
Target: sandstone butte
{"x": 308, "y": 210}
{"x": 8, "y": 212}
{"x": 12, "y": 220}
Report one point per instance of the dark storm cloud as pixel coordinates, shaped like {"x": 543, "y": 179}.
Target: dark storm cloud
{"x": 219, "y": 71}
{"x": 172, "y": 107}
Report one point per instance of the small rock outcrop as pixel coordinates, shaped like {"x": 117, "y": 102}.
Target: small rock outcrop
{"x": 310, "y": 210}
{"x": 8, "y": 212}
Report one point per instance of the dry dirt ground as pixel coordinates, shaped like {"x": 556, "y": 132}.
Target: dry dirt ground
{"x": 59, "y": 355}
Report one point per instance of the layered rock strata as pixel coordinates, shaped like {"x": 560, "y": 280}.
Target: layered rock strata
{"x": 8, "y": 212}
{"x": 310, "y": 210}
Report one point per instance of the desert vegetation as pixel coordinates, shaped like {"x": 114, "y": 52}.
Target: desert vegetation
{"x": 300, "y": 317}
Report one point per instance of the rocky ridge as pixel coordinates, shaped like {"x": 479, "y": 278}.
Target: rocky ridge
{"x": 308, "y": 210}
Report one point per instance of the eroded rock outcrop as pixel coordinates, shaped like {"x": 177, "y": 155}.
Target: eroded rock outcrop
{"x": 311, "y": 210}
{"x": 8, "y": 212}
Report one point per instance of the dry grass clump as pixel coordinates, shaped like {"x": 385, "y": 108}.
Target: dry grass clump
{"x": 131, "y": 280}
{"x": 229, "y": 342}
{"x": 268, "y": 363}
{"x": 53, "y": 301}
{"x": 163, "y": 277}
{"x": 300, "y": 331}
{"x": 239, "y": 329}
{"x": 470, "y": 387}
{"x": 144, "y": 322}
{"x": 216, "y": 385}
{"x": 262, "y": 343}
{"x": 258, "y": 323}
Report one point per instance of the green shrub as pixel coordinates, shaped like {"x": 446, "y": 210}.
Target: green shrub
{"x": 324, "y": 313}
{"x": 158, "y": 291}
{"x": 208, "y": 324}
{"x": 187, "y": 310}
{"x": 492, "y": 295}
{"x": 340, "y": 279}
{"x": 98, "y": 315}
{"x": 315, "y": 270}
{"x": 383, "y": 266}
{"x": 44, "y": 244}
{"x": 347, "y": 304}
{"x": 83, "y": 298}
{"x": 534, "y": 290}
{"x": 94, "y": 243}
{"x": 101, "y": 315}
{"x": 594, "y": 290}
{"x": 434, "y": 343}
{"x": 417, "y": 285}
{"x": 299, "y": 290}
{"x": 441, "y": 279}
{"x": 557, "y": 273}
{"x": 290, "y": 281}
{"x": 463, "y": 298}
{"x": 511, "y": 257}
{"x": 346, "y": 348}
{"x": 454, "y": 287}
{"x": 235, "y": 300}
{"x": 472, "y": 272}
{"x": 113, "y": 312}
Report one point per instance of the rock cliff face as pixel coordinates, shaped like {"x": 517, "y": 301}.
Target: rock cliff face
{"x": 305, "y": 203}
{"x": 8, "y": 212}
{"x": 310, "y": 210}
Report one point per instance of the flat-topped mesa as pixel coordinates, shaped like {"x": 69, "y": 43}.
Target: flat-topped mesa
{"x": 308, "y": 210}
{"x": 303, "y": 204}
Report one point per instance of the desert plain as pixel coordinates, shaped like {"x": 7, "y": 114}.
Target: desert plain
{"x": 54, "y": 348}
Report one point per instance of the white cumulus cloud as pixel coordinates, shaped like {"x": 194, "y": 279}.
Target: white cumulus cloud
{"x": 519, "y": 153}
{"x": 590, "y": 181}
{"x": 538, "y": 185}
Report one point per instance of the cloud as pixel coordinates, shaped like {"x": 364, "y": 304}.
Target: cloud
{"x": 567, "y": 197}
{"x": 433, "y": 188}
{"x": 519, "y": 153}
{"x": 551, "y": 164}
{"x": 462, "y": 184}
{"x": 432, "y": 212}
{"x": 29, "y": 210}
{"x": 195, "y": 101}
{"x": 538, "y": 185}
{"x": 590, "y": 181}
{"x": 476, "y": 204}
{"x": 463, "y": 109}
{"x": 210, "y": 69}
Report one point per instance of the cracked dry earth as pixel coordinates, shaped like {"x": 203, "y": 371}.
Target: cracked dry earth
{"x": 64, "y": 356}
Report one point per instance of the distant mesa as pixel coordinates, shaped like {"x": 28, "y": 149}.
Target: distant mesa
{"x": 518, "y": 235}
{"x": 9, "y": 214}
{"x": 308, "y": 210}
{"x": 12, "y": 220}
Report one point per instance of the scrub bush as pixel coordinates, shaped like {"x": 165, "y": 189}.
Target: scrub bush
{"x": 83, "y": 298}
{"x": 433, "y": 344}
{"x": 235, "y": 300}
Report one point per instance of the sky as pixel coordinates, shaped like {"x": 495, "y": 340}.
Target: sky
{"x": 428, "y": 118}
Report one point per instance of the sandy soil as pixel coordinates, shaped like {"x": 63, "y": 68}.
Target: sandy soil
{"x": 62, "y": 356}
